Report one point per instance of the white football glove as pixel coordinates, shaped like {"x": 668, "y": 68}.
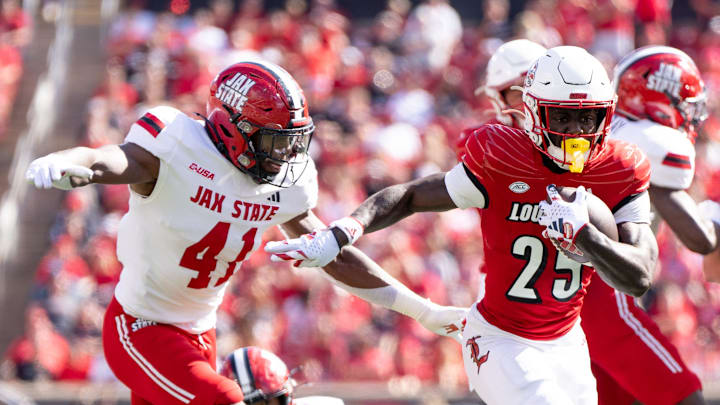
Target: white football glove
{"x": 55, "y": 171}
{"x": 315, "y": 249}
{"x": 444, "y": 321}
{"x": 711, "y": 210}
{"x": 562, "y": 219}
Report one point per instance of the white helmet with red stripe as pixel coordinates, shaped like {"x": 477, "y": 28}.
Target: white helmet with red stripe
{"x": 506, "y": 68}
{"x": 261, "y": 375}
{"x": 567, "y": 77}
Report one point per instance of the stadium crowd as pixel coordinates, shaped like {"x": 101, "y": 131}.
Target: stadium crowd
{"x": 15, "y": 34}
{"x": 388, "y": 96}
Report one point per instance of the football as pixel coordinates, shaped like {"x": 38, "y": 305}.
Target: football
{"x": 600, "y": 216}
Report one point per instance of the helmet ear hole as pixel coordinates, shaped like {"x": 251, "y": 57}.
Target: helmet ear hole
{"x": 226, "y": 132}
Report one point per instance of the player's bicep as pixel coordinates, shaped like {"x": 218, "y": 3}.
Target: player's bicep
{"x": 639, "y": 235}
{"x": 430, "y": 194}
{"x": 124, "y": 164}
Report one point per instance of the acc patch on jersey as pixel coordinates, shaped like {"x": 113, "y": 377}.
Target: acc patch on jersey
{"x": 519, "y": 187}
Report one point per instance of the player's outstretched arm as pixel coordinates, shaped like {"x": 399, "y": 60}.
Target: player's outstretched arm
{"x": 382, "y": 209}
{"x": 359, "y": 275}
{"x": 681, "y": 213}
{"x": 112, "y": 164}
{"x": 627, "y": 265}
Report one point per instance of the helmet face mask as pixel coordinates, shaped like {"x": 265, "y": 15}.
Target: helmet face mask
{"x": 280, "y": 156}
{"x": 258, "y": 119}
{"x": 569, "y": 102}
{"x": 661, "y": 84}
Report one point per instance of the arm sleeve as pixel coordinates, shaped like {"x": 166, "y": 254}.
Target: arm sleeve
{"x": 465, "y": 191}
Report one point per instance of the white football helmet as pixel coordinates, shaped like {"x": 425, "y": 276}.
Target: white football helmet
{"x": 507, "y": 67}
{"x": 567, "y": 77}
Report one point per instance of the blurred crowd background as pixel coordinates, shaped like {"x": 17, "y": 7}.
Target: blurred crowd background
{"x": 389, "y": 93}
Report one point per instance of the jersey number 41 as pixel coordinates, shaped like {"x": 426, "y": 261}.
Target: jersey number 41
{"x": 202, "y": 256}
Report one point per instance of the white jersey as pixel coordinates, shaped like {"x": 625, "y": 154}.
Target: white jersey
{"x": 180, "y": 245}
{"x": 671, "y": 153}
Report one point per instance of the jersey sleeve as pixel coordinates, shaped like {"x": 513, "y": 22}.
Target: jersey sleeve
{"x": 308, "y": 185}
{"x": 674, "y": 170}
{"x": 636, "y": 209}
{"x": 464, "y": 189}
{"x": 671, "y": 153}
{"x": 635, "y": 203}
{"x": 149, "y": 131}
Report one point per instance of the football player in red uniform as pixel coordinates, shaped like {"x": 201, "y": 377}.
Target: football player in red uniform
{"x": 522, "y": 342}
{"x": 202, "y": 193}
{"x": 265, "y": 379}
{"x": 627, "y": 332}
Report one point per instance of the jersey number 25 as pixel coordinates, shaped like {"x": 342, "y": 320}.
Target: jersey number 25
{"x": 533, "y": 251}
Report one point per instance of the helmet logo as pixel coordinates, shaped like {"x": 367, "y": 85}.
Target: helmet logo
{"x": 234, "y": 91}
{"x": 530, "y": 76}
{"x": 665, "y": 80}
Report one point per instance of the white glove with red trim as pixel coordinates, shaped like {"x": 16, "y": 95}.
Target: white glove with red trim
{"x": 315, "y": 249}
{"x": 711, "y": 210}
{"x": 562, "y": 219}
{"x": 55, "y": 171}
{"x": 444, "y": 320}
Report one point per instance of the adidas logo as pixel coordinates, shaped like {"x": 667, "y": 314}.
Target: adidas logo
{"x": 275, "y": 197}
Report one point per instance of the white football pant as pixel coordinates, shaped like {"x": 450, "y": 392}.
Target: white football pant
{"x": 505, "y": 369}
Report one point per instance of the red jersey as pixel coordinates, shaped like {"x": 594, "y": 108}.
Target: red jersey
{"x": 531, "y": 290}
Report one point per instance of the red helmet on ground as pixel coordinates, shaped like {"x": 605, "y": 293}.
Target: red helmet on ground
{"x": 261, "y": 375}
{"x": 258, "y": 119}
{"x": 661, "y": 84}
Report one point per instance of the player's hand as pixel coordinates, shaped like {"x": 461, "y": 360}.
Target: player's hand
{"x": 55, "y": 171}
{"x": 444, "y": 320}
{"x": 711, "y": 210}
{"x": 564, "y": 220}
{"x": 315, "y": 249}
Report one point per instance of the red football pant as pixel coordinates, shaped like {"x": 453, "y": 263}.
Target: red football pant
{"x": 162, "y": 364}
{"x": 632, "y": 355}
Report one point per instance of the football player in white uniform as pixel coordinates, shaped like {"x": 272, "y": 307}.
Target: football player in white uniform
{"x": 202, "y": 193}
{"x": 661, "y": 103}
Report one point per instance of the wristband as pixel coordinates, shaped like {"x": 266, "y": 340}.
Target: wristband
{"x": 351, "y": 227}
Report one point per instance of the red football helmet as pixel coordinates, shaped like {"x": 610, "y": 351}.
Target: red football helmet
{"x": 258, "y": 119}
{"x": 261, "y": 375}
{"x": 661, "y": 84}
